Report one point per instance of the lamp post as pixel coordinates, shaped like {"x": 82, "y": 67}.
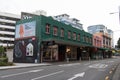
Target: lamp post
{"x": 117, "y": 13}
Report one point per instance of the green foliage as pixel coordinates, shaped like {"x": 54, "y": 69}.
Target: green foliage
{"x": 4, "y": 59}
{"x": 118, "y": 43}
{"x": 3, "y": 64}
{"x": 2, "y": 51}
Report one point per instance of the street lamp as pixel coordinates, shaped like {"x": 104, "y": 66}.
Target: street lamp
{"x": 117, "y": 12}
{"x": 114, "y": 12}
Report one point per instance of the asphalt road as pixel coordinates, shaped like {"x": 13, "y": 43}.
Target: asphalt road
{"x": 85, "y": 70}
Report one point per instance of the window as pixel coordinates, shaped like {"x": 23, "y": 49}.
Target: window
{"x": 90, "y": 40}
{"x": 62, "y": 32}
{"x": 74, "y": 36}
{"x": 55, "y": 31}
{"x": 87, "y": 39}
{"x": 47, "y": 28}
{"x": 69, "y": 34}
{"x": 95, "y": 42}
{"x": 84, "y": 38}
{"x": 78, "y": 37}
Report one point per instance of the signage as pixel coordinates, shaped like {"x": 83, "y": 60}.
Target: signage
{"x": 25, "y": 30}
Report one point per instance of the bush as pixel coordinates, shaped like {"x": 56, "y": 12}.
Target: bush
{"x": 3, "y": 64}
{"x": 4, "y": 59}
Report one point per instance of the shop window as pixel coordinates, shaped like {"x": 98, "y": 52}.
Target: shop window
{"x": 78, "y": 37}
{"x": 47, "y": 28}
{"x": 62, "y": 32}
{"x": 74, "y": 36}
{"x": 55, "y": 31}
{"x": 69, "y": 34}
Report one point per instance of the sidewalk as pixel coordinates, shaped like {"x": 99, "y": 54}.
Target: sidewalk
{"x": 23, "y": 65}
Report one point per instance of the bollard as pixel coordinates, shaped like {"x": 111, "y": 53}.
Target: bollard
{"x": 67, "y": 59}
{"x": 80, "y": 58}
{"x": 36, "y": 61}
{"x": 89, "y": 58}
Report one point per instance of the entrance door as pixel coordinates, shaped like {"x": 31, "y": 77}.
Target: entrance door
{"x": 61, "y": 52}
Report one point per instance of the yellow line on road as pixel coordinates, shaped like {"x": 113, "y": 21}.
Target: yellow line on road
{"x": 107, "y": 78}
{"x": 110, "y": 72}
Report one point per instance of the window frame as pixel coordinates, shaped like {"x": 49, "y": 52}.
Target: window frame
{"x": 69, "y": 34}
{"x": 47, "y": 28}
{"x": 62, "y": 32}
{"x": 55, "y": 31}
{"x": 74, "y": 36}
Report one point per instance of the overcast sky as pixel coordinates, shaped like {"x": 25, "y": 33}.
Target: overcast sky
{"x": 89, "y": 12}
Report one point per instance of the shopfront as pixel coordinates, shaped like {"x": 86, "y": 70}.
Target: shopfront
{"x": 71, "y": 53}
{"x": 51, "y": 53}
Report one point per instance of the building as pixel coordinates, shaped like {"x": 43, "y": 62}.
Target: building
{"x": 27, "y": 15}
{"x": 107, "y": 34}
{"x": 107, "y": 39}
{"x": 43, "y": 38}
{"x": 110, "y": 33}
{"x": 64, "y": 18}
{"x": 7, "y": 28}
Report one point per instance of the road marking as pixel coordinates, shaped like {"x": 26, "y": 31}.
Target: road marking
{"x": 47, "y": 75}
{"x": 21, "y": 73}
{"x": 77, "y": 75}
{"x": 110, "y": 61}
{"x": 107, "y": 78}
{"x": 99, "y": 65}
{"x": 66, "y": 65}
{"x": 110, "y": 72}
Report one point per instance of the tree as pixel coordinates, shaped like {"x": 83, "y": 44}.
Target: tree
{"x": 118, "y": 43}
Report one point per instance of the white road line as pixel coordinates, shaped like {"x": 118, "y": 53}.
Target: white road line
{"x": 86, "y": 64}
{"x": 77, "y": 75}
{"x": 21, "y": 73}
{"x": 99, "y": 65}
{"x": 72, "y": 64}
{"x": 47, "y": 75}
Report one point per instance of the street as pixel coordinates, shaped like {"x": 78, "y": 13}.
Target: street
{"x": 82, "y": 70}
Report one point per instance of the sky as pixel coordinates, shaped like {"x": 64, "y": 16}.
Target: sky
{"x": 89, "y": 12}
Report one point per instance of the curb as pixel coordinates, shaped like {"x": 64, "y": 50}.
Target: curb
{"x": 116, "y": 75}
{"x": 25, "y": 66}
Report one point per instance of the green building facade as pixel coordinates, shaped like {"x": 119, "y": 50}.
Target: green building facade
{"x": 42, "y": 38}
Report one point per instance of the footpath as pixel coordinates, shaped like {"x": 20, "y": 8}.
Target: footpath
{"x": 23, "y": 65}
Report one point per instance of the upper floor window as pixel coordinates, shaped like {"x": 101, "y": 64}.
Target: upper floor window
{"x": 90, "y": 40}
{"x": 87, "y": 39}
{"x": 74, "y": 36}
{"x": 47, "y": 28}
{"x": 69, "y": 34}
{"x": 78, "y": 37}
{"x": 62, "y": 32}
{"x": 55, "y": 31}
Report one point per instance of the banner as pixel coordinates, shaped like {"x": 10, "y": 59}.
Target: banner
{"x": 25, "y": 30}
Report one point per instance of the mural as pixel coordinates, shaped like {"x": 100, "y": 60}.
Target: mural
{"x": 25, "y": 50}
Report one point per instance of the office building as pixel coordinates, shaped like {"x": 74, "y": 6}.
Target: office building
{"x": 7, "y": 28}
